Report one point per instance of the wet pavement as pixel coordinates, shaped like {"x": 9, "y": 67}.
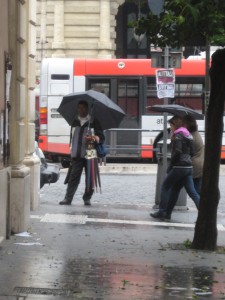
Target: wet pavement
{"x": 112, "y": 250}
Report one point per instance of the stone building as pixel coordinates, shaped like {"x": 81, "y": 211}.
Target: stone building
{"x": 89, "y": 29}
{"x": 19, "y": 170}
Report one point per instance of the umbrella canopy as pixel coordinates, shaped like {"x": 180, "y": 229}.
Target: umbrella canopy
{"x": 101, "y": 107}
{"x": 177, "y": 110}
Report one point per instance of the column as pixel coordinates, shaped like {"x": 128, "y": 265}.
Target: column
{"x": 105, "y": 44}
{"x": 42, "y": 40}
{"x": 58, "y": 41}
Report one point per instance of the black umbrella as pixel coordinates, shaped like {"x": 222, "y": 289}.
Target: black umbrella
{"x": 177, "y": 110}
{"x": 101, "y": 107}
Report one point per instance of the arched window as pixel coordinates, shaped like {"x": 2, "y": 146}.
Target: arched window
{"x": 126, "y": 44}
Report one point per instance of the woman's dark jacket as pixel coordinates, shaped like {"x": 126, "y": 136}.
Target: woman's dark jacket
{"x": 182, "y": 150}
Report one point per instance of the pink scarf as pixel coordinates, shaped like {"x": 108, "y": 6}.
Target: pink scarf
{"x": 183, "y": 131}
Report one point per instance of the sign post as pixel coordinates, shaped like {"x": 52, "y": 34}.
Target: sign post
{"x": 165, "y": 81}
{"x": 165, "y": 84}
{"x": 165, "y": 134}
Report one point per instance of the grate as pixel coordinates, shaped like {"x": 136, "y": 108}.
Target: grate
{"x": 43, "y": 291}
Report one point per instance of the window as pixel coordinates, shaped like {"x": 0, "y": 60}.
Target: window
{"x": 60, "y": 77}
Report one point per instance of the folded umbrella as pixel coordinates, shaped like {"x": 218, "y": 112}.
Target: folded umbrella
{"x": 101, "y": 107}
{"x": 177, "y": 110}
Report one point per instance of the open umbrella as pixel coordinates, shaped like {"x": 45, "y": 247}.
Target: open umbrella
{"x": 177, "y": 110}
{"x": 101, "y": 107}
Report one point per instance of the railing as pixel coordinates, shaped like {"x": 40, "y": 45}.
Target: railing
{"x": 117, "y": 150}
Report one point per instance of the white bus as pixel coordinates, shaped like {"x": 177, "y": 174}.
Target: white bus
{"x": 131, "y": 84}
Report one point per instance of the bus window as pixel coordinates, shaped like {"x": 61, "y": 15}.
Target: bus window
{"x": 60, "y": 77}
{"x": 151, "y": 93}
{"x": 128, "y": 100}
{"x": 128, "y": 97}
{"x": 100, "y": 85}
{"x": 190, "y": 95}
{"x": 187, "y": 93}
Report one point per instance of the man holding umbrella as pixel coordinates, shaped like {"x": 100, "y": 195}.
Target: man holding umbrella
{"x": 80, "y": 136}
{"x": 104, "y": 114}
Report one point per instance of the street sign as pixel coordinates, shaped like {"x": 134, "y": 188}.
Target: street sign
{"x": 174, "y": 59}
{"x": 157, "y": 59}
{"x": 165, "y": 81}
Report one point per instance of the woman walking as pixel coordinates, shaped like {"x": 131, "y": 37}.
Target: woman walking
{"x": 180, "y": 170}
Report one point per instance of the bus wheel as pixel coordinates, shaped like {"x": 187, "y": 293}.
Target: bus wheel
{"x": 54, "y": 158}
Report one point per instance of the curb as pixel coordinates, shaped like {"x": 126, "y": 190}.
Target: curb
{"x": 150, "y": 169}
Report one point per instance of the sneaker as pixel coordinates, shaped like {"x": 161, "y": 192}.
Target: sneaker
{"x": 65, "y": 202}
{"x": 158, "y": 215}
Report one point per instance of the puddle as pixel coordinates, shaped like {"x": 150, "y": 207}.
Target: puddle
{"x": 110, "y": 280}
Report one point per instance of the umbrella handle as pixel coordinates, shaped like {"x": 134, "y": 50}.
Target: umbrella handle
{"x": 91, "y": 111}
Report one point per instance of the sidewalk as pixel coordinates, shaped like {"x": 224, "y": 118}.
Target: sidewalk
{"x": 113, "y": 168}
{"x": 112, "y": 250}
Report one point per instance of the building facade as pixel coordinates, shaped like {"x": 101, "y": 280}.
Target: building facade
{"x": 19, "y": 169}
{"x": 89, "y": 29}
{"x": 45, "y": 28}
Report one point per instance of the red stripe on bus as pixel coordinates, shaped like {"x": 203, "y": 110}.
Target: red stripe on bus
{"x": 58, "y": 148}
{"x": 53, "y": 147}
{"x": 43, "y": 142}
{"x": 146, "y": 151}
{"x": 132, "y": 67}
{"x": 222, "y": 152}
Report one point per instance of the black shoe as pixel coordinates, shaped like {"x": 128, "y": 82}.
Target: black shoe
{"x": 161, "y": 215}
{"x": 87, "y": 203}
{"x": 87, "y": 196}
{"x": 65, "y": 202}
{"x": 158, "y": 215}
{"x": 167, "y": 217}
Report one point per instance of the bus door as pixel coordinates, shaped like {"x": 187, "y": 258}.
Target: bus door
{"x": 127, "y": 138}
{"x": 124, "y": 141}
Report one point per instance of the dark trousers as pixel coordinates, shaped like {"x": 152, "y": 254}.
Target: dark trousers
{"x": 173, "y": 183}
{"x": 78, "y": 164}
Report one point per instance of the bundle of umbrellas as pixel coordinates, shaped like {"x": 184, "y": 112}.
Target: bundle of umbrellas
{"x": 108, "y": 114}
{"x": 93, "y": 175}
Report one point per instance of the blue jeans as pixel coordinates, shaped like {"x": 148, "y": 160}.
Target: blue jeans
{"x": 173, "y": 183}
{"x": 188, "y": 183}
{"x": 198, "y": 184}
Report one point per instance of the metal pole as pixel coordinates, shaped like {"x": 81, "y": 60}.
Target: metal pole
{"x": 165, "y": 101}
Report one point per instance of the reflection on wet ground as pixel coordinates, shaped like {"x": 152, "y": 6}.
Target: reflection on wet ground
{"x": 109, "y": 280}
{"x": 104, "y": 280}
